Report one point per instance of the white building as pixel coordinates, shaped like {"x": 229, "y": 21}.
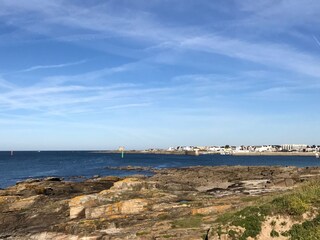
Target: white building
{"x": 171, "y": 149}
{"x": 268, "y": 148}
{"x": 294, "y": 147}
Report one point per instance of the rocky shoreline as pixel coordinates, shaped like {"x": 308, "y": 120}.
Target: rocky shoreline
{"x": 164, "y": 152}
{"x": 178, "y": 203}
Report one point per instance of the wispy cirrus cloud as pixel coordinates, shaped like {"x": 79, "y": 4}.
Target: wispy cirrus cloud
{"x": 62, "y": 65}
{"x": 5, "y": 84}
{"x": 90, "y": 76}
{"x": 279, "y": 56}
{"x": 142, "y": 26}
{"x": 316, "y": 40}
{"x": 62, "y": 99}
{"x": 132, "y": 105}
{"x": 282, "y": 14}
{"x": 230, "y": 65}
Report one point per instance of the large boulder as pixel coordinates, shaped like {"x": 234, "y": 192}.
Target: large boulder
{"x": 129, "y": 184}
{"x": 78, "y": 204}
{"x": 132, "y": 206}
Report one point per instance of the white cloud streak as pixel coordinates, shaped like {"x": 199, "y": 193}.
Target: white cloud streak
{"x": 99, "y": 21}
{"x": 139, "y": 26}
{"x": 132, "y": 105}
{"x": 5, "y": 84}
{"x": 39, "y": 67}
{"x": 66, "y": 100}
{"x": 316, "y": 40}
{"x": 275, "y": 55}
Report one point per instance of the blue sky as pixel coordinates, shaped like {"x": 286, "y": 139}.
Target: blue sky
{"x": 102, "y": 74}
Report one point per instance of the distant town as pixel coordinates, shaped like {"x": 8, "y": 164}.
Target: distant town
{"x": 239, "y": 150}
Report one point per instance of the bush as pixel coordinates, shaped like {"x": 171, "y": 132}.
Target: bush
{"x": 250, "y": 219}
{"x": 274, "y": 233}
{"x": 309, "y": 230}
{"x": 295, "y": 204}
{"x": 290, "y": 204}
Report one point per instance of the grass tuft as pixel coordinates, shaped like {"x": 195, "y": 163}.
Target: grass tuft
{"x": 189, "y": 222}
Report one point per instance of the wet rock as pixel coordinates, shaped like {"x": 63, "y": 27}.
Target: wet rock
{"x": 53, "y": 179}
{"x": 132, "y": 168}
{"x": 110, "y": 178}
{"x": 30, "y": 180}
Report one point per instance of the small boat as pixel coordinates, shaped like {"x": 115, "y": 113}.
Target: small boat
{"x": 317, "y": 155}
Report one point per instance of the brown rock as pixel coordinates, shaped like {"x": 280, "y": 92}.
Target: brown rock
{"x": 53, "y": 236}
{"x": 24, "y": 203}
{"x": 78, "y": 204}
{"x": 8, "y": 199}
{"x": 110, "y": 178}
{"x": 132, "y": 206}
{"x": 211, "y": 209}
{"x": 128, "y": 184}
{"x": 289, "y": 182}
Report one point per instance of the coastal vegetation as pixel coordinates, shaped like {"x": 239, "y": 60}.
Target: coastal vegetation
{"x": 300, "y": 207}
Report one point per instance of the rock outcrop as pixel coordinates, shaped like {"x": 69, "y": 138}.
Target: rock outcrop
{"x": 172, "y": 204}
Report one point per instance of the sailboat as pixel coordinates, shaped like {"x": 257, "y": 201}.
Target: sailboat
{"x": 11, "y": 153}
{"x": 317, "y": 155}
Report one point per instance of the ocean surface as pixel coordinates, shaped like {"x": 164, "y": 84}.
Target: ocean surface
{"x": 72, "y": 164}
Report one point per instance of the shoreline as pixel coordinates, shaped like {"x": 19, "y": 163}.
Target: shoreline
{"x": 299, "y": 154}
{"x": 185, "y": 202}
{"x": 275, "y": 154}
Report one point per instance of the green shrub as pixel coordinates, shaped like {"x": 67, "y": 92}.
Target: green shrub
{"x": 308, "y": 230}
{"x": 250, "y": 218}
{"x": 234, "y": 235}
{"x": 290, "y": 204}
{"x": 296, "y": 203}
{"x": 274, "y": 233}
{"x": 283, "y": 223}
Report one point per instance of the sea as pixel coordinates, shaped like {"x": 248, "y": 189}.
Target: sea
{"x": 79, "y": 165}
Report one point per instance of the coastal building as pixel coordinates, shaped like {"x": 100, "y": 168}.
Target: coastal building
{"x": 294, "y": 147}
{"x": 241, "y": 149}
{"x": 244, "y": 149}
{"x": 265, "y": 148}
{"x": 214, "y": 149}
{"x": 312, "y": 148}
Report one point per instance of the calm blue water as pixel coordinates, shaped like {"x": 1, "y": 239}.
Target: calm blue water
{"x": 23, "y": 165}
